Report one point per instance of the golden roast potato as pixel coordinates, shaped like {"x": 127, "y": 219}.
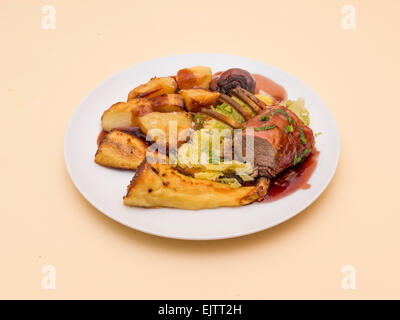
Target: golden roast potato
{"x": 195, "y": 99}
{"x": 157, "y": 125}
{"x": 195, "y": 77}
{"x": 125, "y": 114}
{"x": 121, "y": 150}
{"x": 168, "y": 103}
{"x": 155, "y": 87}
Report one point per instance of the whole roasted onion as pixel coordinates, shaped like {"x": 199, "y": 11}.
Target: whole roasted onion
{"x": 232, "y": 78}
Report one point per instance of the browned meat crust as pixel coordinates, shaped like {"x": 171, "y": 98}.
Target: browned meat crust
{"x": 281, "y": 140}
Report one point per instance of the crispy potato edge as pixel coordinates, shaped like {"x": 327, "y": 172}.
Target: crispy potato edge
{"x": 109, "y": 153}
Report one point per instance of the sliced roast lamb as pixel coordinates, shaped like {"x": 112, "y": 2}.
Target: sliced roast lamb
{"x": 281, "y": 140}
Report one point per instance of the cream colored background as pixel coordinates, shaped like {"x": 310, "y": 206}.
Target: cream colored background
{"x": 44, "y": 219}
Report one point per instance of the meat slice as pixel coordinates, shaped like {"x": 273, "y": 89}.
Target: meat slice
{"x": 281, "y": 140}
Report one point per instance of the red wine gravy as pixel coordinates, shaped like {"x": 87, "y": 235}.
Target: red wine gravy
{"x": 293, "y": 179}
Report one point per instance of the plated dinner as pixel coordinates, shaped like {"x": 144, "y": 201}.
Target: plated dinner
{"x": 191, "y": 141}
{"x": 197, "y": 127}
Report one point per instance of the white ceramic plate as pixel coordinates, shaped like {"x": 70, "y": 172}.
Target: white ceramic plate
{"x": 104, "y": 188}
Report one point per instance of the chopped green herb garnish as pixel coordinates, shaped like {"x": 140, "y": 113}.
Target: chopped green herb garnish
{"x": 305, "y": 152}
{"x": 302, "y": 136}
{"x": 212, "y": 158}
{"x": 289, "y": 128}
{"x": 264, "y": 117}
{"x": 265, "y": 128}
{"x": 281, "y": 111}
{"x": 272, "y": 112}
{"x": 198, "y": 121}
{"x": 297, "y": 159}
{"x": 317, "y": 134}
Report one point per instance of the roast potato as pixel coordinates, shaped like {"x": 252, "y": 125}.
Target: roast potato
{"x": 162, "y": 121}
{"x": 160, "y": 185}
{"x": 195, "y": 77}
{"x": 195, "y": 99}
{"x": 168, "y": 103}
{"x": 125, "y": 114}
{"x": 121, "y": 150}
{"x": 155, "y": 87}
